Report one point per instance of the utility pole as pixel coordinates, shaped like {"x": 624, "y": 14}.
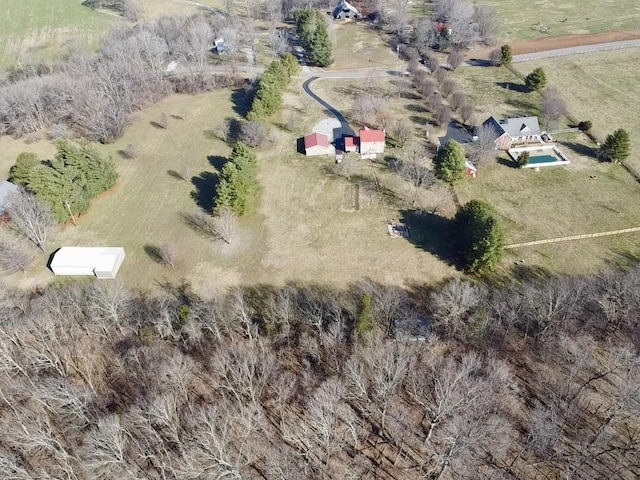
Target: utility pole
{"x": 73, "y": 220}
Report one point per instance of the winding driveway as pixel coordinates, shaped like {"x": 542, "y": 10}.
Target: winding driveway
{"x": 344, "y": 125}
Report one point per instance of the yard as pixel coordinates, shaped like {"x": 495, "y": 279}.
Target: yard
{"x": 358, "y": 45}
{"x": 531, "y": 19}
{"x": 309, "y": 227}
{"x": 601, "y": 87}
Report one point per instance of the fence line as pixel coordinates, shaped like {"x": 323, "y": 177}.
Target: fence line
{"x": 573, "y": 237}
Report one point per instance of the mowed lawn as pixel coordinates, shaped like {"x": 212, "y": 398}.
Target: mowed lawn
{"x": 35, "y": 29}
{"x": 358, "y": 45}
{"x": 602, "y": 87}
{"x": 306, "y": 227}
{"x": 584, "y": 197}
{"x": 530, "y": 19}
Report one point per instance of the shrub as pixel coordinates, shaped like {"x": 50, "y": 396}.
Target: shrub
{"x": 132, "y": 151}
{"x": 506, "y": 54}
{"x": 585, "y": 125}
{"x": 536, "y": 80}
{"x": 523, "y": 160}
{"x": 616, "y": 147}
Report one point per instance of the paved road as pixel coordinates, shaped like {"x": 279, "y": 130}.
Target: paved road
{"x": 562, "y": 52}
{"x": 344, "y": 125}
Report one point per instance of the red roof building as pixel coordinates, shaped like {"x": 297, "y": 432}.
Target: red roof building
{"x": 368, "y": 135}
{"x": 316, "y": 144}
{"x": 372, "y": 142}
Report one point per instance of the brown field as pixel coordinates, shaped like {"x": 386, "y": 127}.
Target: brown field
{"x": 358, "y": 45}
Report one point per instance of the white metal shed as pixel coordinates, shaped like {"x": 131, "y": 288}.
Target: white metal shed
{"x": 103, "y": 262}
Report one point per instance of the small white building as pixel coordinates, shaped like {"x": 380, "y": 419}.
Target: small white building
{"x": 101, "y": 262}
{"x": 317, "y": 144}
{"x": 7, "y": 189}
{"x": 372, "y": 142}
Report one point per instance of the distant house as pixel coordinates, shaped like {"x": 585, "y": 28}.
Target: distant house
{"x": 6, "y": 190}
{"x": 317, "y": 144}
{"x": 372, "y": 142}
{"x": 470, "y": 169}
{"x": 220, "y": 46}
{"x": 345, "y": 11}
{"x": 514, "y": 131}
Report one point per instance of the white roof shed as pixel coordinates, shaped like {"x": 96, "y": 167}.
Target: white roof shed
{"x": 103, "y": 262}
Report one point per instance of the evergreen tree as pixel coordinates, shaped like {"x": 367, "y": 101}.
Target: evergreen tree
{"x": 450, "y": 162}
{"x": 506, "y": 54}
{"x": 306, "y": 26}
{"x": 616, "y": 147}
{"x": 523, "y": 159}
{"x": 292, "y": 65}
{"x": 536, "y": 80}
{"x": 238, "y": 185}
{"x": 478, "y": 237}
{"x": 21, "y": 171}
{"x": 321, "y": 45}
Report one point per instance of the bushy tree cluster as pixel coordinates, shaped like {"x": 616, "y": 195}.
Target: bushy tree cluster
{"x": 78, "y": 172}
{"x": 478, "y": 237}
{"x": 238, "y": 185}
{"x": 314, "y": 36}
{"x": 450, "y": 162}
{"x": 268, "y": 97}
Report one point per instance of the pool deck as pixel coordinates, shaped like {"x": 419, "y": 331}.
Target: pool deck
{"x": 549, "y": 155}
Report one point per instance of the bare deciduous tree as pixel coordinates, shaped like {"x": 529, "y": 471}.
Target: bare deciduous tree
{"x": 466, "y": 112}
{"x": 458, "y": 100}
{"x": 254, "y": 133}
{"x": 168, "y": 254}
{"x": 225, "y": 223}
{"x": 553, "y": 106}
{"x": 448, "y": 86}
{"x": 484, "y": 147}
{"x": 13, "y": 257}
{"x": 401, "y": 132}
{"x": 455, "y": 59}
{"x": 31, "y": 218}
{"x": 443, "y": 114}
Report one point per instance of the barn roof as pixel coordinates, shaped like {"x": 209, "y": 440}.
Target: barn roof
{"x": 316, "y": 139}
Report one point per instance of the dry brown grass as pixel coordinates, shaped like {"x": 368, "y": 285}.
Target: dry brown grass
{"x": 358, "y": 45}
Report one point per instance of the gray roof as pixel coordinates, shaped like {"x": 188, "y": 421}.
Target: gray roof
{"x": 456, "y": 132}
{"x": 515, "y": 127}
{"x": 6, "y": 189}
{"x": 344, "y": 6}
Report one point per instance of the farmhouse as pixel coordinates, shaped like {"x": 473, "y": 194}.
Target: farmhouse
{"x": 6, "y": 189}
{"x": 317, "y": 144}
{"x": 372, "y": 142}
{"x": 345, "y": 11}
{"x": 514, "y": 131}
{"x": 102, "y": 262}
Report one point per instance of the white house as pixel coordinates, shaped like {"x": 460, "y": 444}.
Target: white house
{"x": 317, "y": 144}
{"x": 345, "y": 11}
{"x": 102, "y": 262}
{"x": 6, "y": 190}
{"x": 372, "y": 142}
{"x": 514, "y": 131}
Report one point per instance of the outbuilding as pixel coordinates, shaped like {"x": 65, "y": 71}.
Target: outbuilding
{"x": 6, "y": 190}
{"x": 372, "y": 142}
{"x": 101, "y": 262}
{"x": 317, "y": 144}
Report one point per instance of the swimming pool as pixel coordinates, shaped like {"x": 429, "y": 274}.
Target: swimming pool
{"x": 542, "y": 159}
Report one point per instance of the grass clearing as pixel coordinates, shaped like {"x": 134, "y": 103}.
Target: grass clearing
{"x": 584, "y": 197}
{"x": 359, "y": 45}
{"x": 602, "y": 87}
{"x": 306, "y": 228}
{"x": 34, "y": 30}
{"x": 525, "y": 20}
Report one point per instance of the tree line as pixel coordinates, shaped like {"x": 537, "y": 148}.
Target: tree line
{"x": 271, "y": 85}
{"x": 534, "y": 378}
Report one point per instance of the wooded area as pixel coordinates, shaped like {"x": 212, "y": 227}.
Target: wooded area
{"x": 537, "y": 379}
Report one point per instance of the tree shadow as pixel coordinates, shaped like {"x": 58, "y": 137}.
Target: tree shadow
{"x": 177, "y": 117}
{"x": 581, "y": 149}
{"x": 416, "y": 107}
{"x": 241, "y": 99}
{"x": 530, "y": 273}
{"x": 507, "y": 163}
{"x": 217, "y": 161}
{"x": 418, "y": 120}
{"x": 206, "y": 184}
{"x": 431, "y": 233}
{"x": 176, "y": 175}
{"x": 157, "y": 125}
{"x": 210, "y": 134}
{"x": 153, "y": 252}
{"x": 524, "y": 107}
{"x": 300, "y": 146}
{"x": 516, "y": 87}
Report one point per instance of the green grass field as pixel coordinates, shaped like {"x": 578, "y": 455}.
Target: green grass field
{"x": 35, "y": 29}
{"x": 530, "y": 19}
{"x": 357, "y": 45}
{"x": 601, "y": 87}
